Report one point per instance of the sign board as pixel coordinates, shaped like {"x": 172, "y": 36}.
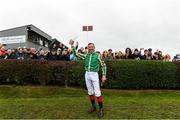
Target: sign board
{"x": 13, "y": 39}
{"x": 87, "y": 28}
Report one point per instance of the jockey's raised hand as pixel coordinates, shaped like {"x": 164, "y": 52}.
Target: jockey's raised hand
{"x": 71, "y": 42}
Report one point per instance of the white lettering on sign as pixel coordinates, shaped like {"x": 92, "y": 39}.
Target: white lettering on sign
{"x": 13, "y": 39}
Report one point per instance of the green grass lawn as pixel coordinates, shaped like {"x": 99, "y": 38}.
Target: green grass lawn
{"x": 57, "y": 102}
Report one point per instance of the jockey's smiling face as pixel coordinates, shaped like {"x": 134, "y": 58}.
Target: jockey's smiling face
{"x": 91, "y": 48}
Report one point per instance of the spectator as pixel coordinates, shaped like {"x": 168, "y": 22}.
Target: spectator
{"x": 46, "y": 52}
{"x": 116, "y": 55}
{"x": 160, "y": 55}
{"x": 121, "y": 55}
{"x": 26, "y": 53}
{"x": 10, "y": 54}
{"x": 72, "y": 57}
{"x": 105, "y": 56}
{"x": 20, "y": 54}
{"x": 61, "y": 46}
{"x": 167, "y": 58}
{"x": 65, "y": 55}
{"x": 156, "y": 56}
{"x": 136, "y": 55}
{"x": 128, "y": 53}
{"x": 59, "y": 54}
{"x": 145, "y": 56}
{"x": 110, "y": 54}
{"x": 55, "y": 47}
{"x": 177, "y": 57}
{"x": 3, "y": 52}
{"x": 64, "y": 47}
{"x": 52, "y": 55}
{"x": 33, "y": 53}
{"x": 150, "y": 55}
{"x": 41, "y": 55}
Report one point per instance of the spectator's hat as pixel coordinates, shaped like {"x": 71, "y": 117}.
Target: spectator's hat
{"x": 110, "y": 50}
{"x": 136, "y": 49}
{"x": 145, "y": 50}
{"x": 178, "y": 56}
{"x": 150, "y": 49}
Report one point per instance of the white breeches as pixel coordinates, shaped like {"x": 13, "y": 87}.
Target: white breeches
{"x": 92, "y": 83}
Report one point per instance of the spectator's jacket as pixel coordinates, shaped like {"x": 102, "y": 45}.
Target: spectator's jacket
{"x": 65, "y": 57}
{"x": 41, "y": 57}
{"x": 72, "y": 57}
{"x": 20, "y": 56}
{"x": 91, "y": 61}
{"x": 52, "y": 57}
{"x": 11, "y": 56}
{"x": 33, "y": 56}
{"x": 134, "y": 56}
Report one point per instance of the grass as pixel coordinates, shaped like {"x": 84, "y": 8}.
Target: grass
{"x": 37, "y": 102}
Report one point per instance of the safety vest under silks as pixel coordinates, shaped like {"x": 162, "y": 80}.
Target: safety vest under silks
{"x": 91, "y": 61}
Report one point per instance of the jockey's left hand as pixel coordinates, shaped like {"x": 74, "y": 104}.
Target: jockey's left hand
{"x": 103, "y": 78}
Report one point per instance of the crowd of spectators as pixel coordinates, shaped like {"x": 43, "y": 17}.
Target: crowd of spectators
{"x": 55, "y": 53}
{"x": 136, "y": 54}
{"x": 61, "y": 52}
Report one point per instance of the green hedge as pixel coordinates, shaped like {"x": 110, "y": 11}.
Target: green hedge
{"x": 24, "y": 72}
{"x": 143, "y": 74}
{"x": 124, "y": 74}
